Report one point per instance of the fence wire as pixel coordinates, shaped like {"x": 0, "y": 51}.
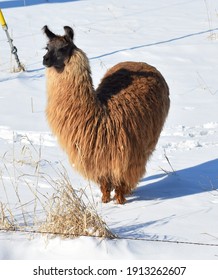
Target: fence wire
{"x": 115, "y": 238}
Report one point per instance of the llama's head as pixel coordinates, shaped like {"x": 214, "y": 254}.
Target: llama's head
{"x": 59, "y": 48}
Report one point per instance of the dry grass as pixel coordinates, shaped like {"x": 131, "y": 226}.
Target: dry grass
{"x": 6, "y": 218}
{"x": 173, "y": 171}
{"x": 60, "y": 210}
{"x": 68, "y": 214}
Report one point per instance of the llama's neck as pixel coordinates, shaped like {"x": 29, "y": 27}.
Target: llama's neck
{"x": 71, "y": 94}
{"x": 74, "y": 83}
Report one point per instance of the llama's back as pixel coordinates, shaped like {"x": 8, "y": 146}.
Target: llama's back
{"x": 128, "y": 79}
{"x": 136, "y": 99}
{"x": 137, "y": 95}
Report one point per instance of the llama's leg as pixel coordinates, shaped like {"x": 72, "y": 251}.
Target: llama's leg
{"x": 120, "y": 190}
{"x": 105, "y": 187}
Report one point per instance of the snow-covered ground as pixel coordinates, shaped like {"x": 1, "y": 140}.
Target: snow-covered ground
{"x": 173, "y": 212}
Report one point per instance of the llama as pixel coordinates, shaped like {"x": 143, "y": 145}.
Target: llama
{"x": 108, "y": 133}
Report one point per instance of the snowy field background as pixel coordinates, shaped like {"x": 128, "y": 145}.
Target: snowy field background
{"x": 173, "y": 212}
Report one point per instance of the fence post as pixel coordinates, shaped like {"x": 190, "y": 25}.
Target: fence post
{"x": 10, "y": 41}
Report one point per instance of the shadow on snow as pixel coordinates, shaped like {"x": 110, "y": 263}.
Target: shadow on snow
{"x": 157, "y": 43}
{"x": 21, "y": 3}
{"x": 189, "y": 181}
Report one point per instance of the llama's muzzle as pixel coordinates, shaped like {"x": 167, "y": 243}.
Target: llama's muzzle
{"x": 47, "y": 61}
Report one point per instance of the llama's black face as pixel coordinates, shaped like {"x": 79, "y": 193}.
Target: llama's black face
{"x": 59, "y": 48}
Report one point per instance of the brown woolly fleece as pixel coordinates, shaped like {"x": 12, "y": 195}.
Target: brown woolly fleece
{"x": 108, "y": 133}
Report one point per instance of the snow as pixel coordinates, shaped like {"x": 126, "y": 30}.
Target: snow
{"x": 175, "y": 205}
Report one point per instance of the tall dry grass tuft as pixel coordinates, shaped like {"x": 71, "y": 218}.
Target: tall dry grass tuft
{"x": 69, "y": 216}
{"x": 55, "y": 208}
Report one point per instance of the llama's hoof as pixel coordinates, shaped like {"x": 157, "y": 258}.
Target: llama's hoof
{"x": 120, "y": 199}
{"x": 105, "y": 199}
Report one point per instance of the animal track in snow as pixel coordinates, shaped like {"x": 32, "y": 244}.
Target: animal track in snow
{"x": 188, "y": 138}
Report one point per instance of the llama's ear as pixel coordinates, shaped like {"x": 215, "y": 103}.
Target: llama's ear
{"x": 48, "y": 33}
{"x": 69, "y": 32}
